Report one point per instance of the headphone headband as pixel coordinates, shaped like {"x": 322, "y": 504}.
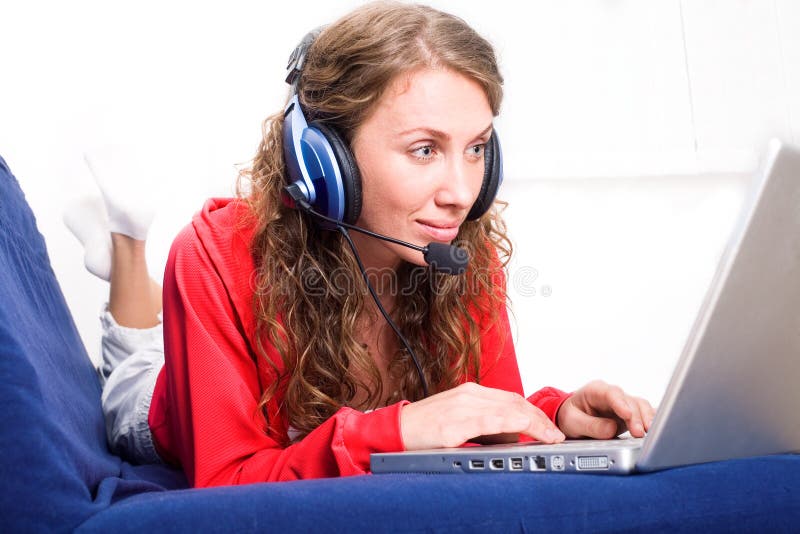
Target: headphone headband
{"x": 298, "y": 58}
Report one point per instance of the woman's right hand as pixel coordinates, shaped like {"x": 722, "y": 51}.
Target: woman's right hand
{"x": 469, "y": 411}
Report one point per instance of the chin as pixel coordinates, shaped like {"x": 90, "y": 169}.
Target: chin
{"x": 405, "y": 254}
{"x": 413, "y": 257}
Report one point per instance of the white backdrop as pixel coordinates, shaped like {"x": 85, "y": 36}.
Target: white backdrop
{"x": 629, "y": 129}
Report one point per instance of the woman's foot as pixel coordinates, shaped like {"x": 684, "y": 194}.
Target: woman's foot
{"x": 124, "y": 207}
{"x": 87, "y": 220}
{"x": 122, "y": 180}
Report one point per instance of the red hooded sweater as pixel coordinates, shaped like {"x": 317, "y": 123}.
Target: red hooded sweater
{"x": 204, "y": 414}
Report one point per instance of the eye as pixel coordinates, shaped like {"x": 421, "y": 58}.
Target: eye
{"x": 423, "y": 152}
{"x": 476, "y": 151}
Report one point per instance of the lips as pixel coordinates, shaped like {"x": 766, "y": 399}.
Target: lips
{"x": 443, "y": 231}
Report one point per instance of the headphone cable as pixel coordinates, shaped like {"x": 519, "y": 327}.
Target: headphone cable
{"x": 389, "y": 320}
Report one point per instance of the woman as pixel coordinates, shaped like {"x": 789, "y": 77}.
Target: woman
{"x": 279, "y": 365}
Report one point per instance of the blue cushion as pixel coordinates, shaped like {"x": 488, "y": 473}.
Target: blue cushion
{"x": 756, "y": 495}
{"x": 55, "y": 466}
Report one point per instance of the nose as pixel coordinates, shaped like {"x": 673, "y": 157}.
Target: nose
{"x": 459, "y": 184}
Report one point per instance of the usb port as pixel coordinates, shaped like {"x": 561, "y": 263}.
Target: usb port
{"x": 476, "y": 464}
{"x": 497, "y": 463}
{"x": 516, "y": 464}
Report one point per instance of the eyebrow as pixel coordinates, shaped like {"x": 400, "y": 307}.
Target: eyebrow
{"x": 440, "y": 134}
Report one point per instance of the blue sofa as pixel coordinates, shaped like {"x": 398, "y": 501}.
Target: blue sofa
{"x": 57, "y": 473}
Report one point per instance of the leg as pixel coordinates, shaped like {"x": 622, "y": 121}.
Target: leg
{"x": 131, "y": 322}
{"x": 134, "y": 298}
{"x": 132, "y": 342}
{"x": 133, "y": 351}
{"x": 113, "y": 230}
{"x": 132, "y": 360}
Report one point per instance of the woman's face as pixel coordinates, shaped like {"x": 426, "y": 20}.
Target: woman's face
{"x": 420, "y": 154}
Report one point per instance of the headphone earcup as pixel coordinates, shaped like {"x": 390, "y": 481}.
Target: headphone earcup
{"x": 492, "y": 178}
{"x": 351, "y": 177}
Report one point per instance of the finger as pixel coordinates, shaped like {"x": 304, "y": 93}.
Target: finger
{"x": 619, "y": 404}
{"x": 483, "y": 418}
{"x": 486, "y": 411}
{"x": 606, "y": 399}
{"x": 470, "y": 399}
{"x": 515, "y": 414}
{"x": 635, "y": 423}
{"x": 541, "y": 428}
{"x": 466, "y": 427}
{"x": 647, "y": 411}
{"x": 582, "y": 425}
{"x": 460, "y": 414}
{"x": 537, "y": 425}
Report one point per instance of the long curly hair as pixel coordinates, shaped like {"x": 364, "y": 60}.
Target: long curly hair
{"x": 309, "y": 295}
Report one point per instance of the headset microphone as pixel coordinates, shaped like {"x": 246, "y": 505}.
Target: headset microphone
{"x": 446, "y": 259}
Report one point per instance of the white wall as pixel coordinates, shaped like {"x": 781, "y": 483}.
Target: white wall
{"x": 608, "y": 273}
{"x": 682, "y": 94}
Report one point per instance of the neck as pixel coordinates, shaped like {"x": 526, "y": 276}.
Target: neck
{"x": 379, "y": 262}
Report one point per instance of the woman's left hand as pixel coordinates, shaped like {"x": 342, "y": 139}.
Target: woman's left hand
{"x": 601, "y": 411}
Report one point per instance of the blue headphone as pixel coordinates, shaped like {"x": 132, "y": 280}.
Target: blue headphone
{"x": 322, "y": 166}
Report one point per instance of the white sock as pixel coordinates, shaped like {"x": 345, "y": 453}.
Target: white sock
{"x": 123, "y": 185}
{"x": 87, "y": 220}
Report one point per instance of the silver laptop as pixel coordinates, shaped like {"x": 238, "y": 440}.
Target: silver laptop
{"x": 735, "y": 391}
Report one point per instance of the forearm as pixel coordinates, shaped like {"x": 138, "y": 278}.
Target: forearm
{"x": 341, "y": 446}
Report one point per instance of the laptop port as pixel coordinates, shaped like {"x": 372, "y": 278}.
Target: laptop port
{"x": 557, "y": 462}
{"x": 498, "y": 463}
{"x": 592, "y": 463}
{"x": 515, "y": 464}
{"x": 476, "y": 464}
{"x": 538, "y": 463}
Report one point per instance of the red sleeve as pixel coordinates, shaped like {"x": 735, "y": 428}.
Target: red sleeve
{"x": 212, "y": 392}
{"x": 502, "y": 372}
